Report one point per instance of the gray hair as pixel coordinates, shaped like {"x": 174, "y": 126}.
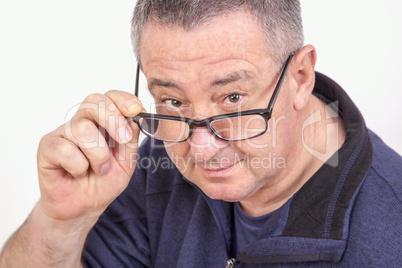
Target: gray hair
{"x": 279, "y": 19}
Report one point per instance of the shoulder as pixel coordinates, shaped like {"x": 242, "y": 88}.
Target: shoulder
{"x": 375, "y": 229}
{"x": 386, "y": 166}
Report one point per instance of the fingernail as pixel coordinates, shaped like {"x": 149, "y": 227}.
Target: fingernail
{"x": 131, "y": 105}
{"x": 125, "y": 134}
{"x": 104, "y": 168}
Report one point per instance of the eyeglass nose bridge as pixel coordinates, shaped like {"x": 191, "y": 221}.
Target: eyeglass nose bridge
{"x": 201, "y": 123}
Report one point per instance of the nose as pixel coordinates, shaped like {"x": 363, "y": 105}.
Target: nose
{"x": 204, "y": 143}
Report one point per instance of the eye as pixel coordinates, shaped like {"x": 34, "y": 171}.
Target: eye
{"x": 173, "y": 103}
{"x": 234, "y": 98}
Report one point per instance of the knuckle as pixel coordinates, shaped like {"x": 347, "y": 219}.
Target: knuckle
{"x": 111, "y": 92}
{"x": 112, "y": 107}
{"x": 48, "y": 139}
{"x": 94, "y": 98}
{"x": 72, "y": 160}
{"x": 84, "y": 128}
{"x": 44, "y": 144}
{"x": 84, "y": 132}
{"x": 118, "y": 97}
{"x": 44, "y": 140}
{"x": 102, "y": 156}
{"x": 66, "y": 150}
{"x": 91, "y": 104}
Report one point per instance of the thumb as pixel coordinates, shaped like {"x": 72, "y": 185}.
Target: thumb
{"x": 126, "y": 153}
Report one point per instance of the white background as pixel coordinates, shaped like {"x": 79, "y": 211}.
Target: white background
{"x": 54, "y": 53}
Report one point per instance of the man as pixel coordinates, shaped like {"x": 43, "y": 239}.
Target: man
{"x": 288, "y": 175}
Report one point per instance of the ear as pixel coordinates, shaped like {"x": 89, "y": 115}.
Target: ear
{"x": 303, "y": 73}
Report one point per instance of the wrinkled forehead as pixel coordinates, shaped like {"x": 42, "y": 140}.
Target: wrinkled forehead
{"x": 235, "y": 34}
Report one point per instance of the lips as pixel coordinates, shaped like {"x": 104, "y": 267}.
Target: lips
{"x": 216, "y": 164}
{"x": 218, "y": 172}
{"x": 218, "y": 169}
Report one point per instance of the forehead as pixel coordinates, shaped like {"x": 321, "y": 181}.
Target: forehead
{"x": 230, "y": 36}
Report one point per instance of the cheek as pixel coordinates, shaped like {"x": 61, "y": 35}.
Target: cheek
{"x": 285, "y": 134}
{"x": 266, "y": 154}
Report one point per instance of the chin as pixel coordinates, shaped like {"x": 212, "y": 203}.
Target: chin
{"x": 226, "y": 192}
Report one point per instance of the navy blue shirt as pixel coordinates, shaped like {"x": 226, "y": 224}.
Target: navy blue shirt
{"x": 247, "y": 228}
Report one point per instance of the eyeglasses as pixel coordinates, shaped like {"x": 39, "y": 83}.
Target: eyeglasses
{"x": 228, "y": 127}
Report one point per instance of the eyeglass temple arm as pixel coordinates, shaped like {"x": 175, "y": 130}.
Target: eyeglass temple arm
{"x": 280, "y": 81}
{"x": 137, "y": 80}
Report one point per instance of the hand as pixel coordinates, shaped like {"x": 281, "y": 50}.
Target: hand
{"x": 86, "y": 163}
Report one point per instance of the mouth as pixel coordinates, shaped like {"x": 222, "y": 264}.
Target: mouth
{"x": 219, "y": 170}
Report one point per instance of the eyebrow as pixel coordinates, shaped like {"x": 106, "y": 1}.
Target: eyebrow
{"x": 161, "y": 83}
{"x": 232, "y": 77}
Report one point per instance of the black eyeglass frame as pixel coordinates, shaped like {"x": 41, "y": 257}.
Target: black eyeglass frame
{"x": 192, "y": 123}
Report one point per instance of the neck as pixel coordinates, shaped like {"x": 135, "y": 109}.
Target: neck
{"x": 314, "y": 145}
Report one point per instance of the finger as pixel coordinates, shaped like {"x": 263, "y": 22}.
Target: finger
{"x": 56, "y": 152}
{"x": 127, "y": 153}
{"x": 91, "y": 141}
{"x": 104, "y": 112}
{"x": 127, "y": 103}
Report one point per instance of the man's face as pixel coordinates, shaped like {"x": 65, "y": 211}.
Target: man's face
{"x": 220, "y": 68}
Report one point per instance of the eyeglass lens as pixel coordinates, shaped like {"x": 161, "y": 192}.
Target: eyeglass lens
{"x": 230, "y": 128}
